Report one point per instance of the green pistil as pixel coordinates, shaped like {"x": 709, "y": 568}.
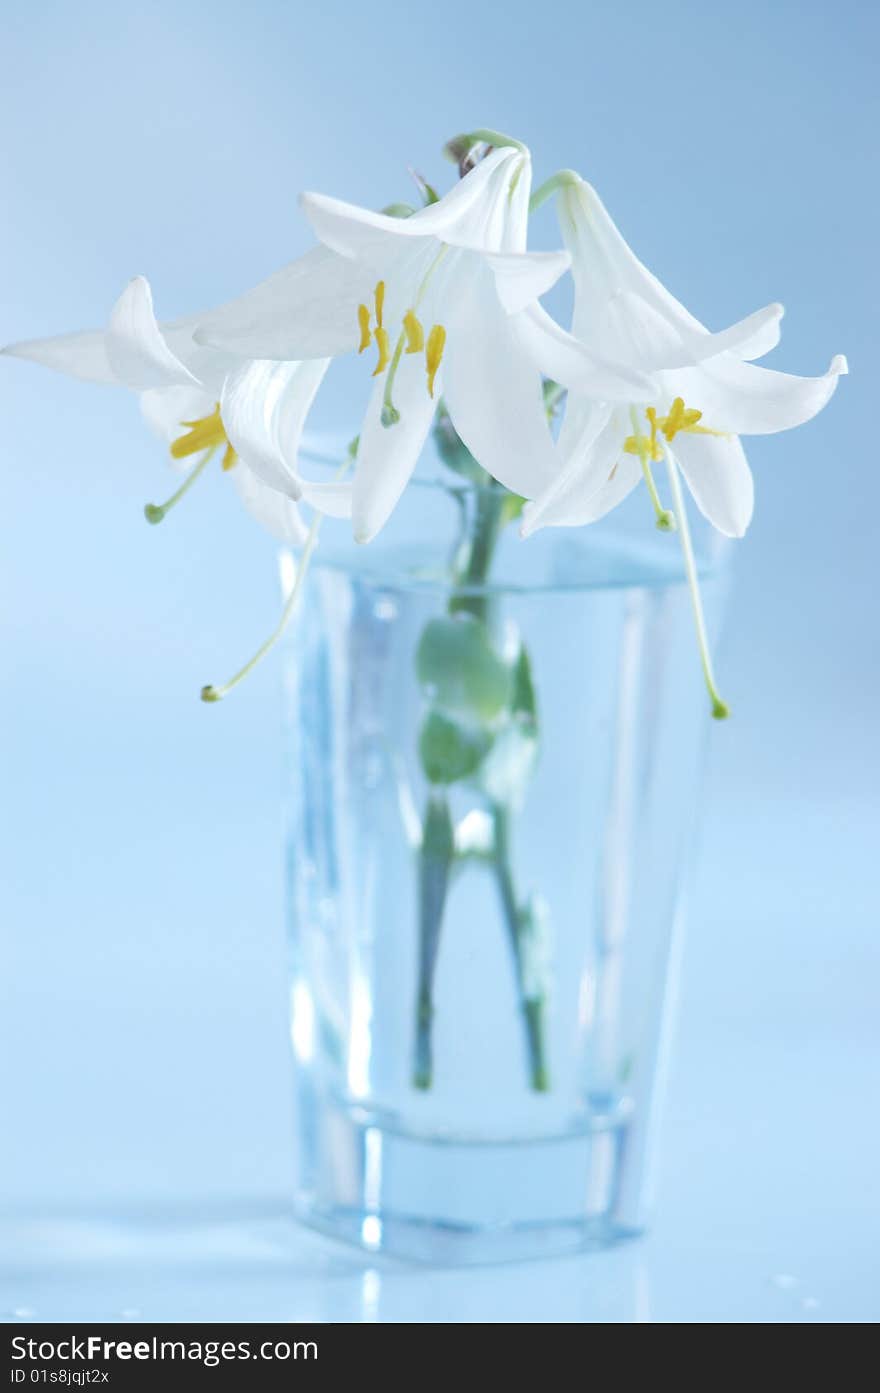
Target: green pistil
{"x": 155, "y": 512}
{"x": 664, "y": 519}
{"x": 390, "y": 413}
{"x": 210, "y": 693}
{"x": 720, "y": 709}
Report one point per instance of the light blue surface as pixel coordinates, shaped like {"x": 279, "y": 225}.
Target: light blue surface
{"x": 142, "y": 1013}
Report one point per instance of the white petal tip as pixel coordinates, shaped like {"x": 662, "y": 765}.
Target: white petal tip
{"x": 529, "y": 523}
{"x": 839, "y": 365}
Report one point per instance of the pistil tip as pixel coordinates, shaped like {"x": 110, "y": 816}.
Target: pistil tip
{"x": 210, "y": 693}
{"x": 153, "y": 513}
{"x": 390, "y": 416}
{"x": 720, "y": 709}
{"x": 666, "y": 521}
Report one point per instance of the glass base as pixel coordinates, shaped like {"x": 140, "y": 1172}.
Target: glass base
{"x": 444, "y": 1201}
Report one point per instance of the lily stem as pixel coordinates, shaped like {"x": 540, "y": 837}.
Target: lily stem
{"x": 563, "y": 178}
{"x": 720, "y": 709}
{"x": 435, "y": 864}
{"x": 469, "y": 597}
{"x": 484, "y": 136}
{"x": 532, "y": 1007}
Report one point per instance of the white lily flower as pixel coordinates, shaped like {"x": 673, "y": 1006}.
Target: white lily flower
{"x": 447, "y": 298}
{"x": 181, "y": 385}
{"x": 710, "y": 390}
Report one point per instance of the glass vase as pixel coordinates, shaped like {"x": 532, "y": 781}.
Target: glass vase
{"x": 493, "y": 750}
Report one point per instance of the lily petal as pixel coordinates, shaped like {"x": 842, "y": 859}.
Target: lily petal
{"x": 387, "y": 456}
{"x": 82, "y": 355}
{"x": 521, "y": 277}
{"x": 264, "y": 406}
{"x": 165, "y": 409}
{"x": 604, "y": 263}
{"x": 308, "y": 309}
{"x": 458, "y": 218}
{"x": 584, "y": 467}
{"x": 605, "y": 267}
{"x": 136, "y": 348}
{"x": 273, "y": 510}
{"x": 576, "y": 499}
{"x": 568, "y": 361}
{"x": 494, "y": 393}
{"x": 718, "y": 476}
{"x": 332, "y": 499}
{"x": 759, "y": 333}
{"x": 751, "y": 337}
{"x": 747, "y": 400}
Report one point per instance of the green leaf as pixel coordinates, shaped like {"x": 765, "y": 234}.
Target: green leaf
{"x": 428, "y": 193}
{"x": 449, "y": 751}
{"x": 457, "y": 664}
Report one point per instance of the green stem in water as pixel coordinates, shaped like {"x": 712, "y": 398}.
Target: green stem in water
{"x": 155, "y": 512}
{"x": 437, "y": 854}
{"x": 720, "y": 709}
{"x": 434, "y": 863}
{"x": 472, "y": 575}
{"x": 487, "y": 525}
{"x": 532, "y": 1006}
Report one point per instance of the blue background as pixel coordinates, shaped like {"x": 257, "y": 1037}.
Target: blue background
{"x": 142, "y": 1009}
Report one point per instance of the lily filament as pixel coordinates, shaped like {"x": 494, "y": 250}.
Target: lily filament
{"x": 411, "y": 339}
{"x": 205, "y": 437}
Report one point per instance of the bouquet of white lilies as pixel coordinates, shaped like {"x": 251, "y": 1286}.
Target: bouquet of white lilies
{"x": 447, "y": 299}
{"x": 551, "y": 426}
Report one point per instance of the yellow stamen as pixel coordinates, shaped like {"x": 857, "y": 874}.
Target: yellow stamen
{"x": 434, "y": 354}
{"x": 380, "y": 302}
{"x": 381, "y": 337}
{"x": 203, "y": 434}
{"x": 415, "y": 334}
{"x": 364, "y": 326}
{"x": 682, "y": 418}
{"x": 645, "y": 448}
{"x": 230, "y": 459}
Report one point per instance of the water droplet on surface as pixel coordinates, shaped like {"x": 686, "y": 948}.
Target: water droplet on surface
{"x": 784, "y": 1281}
